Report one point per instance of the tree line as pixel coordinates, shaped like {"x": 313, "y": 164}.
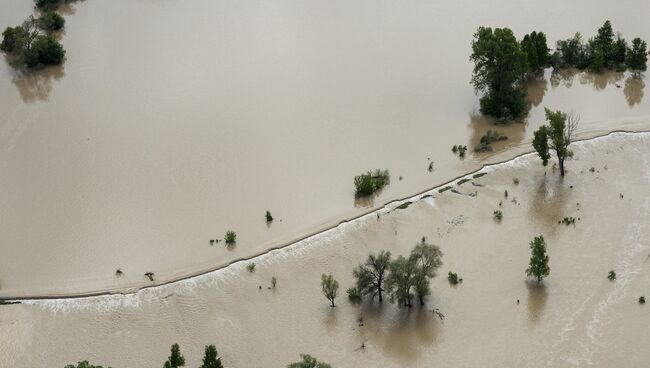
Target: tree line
{"x": 211, "y": 359}
{"x": 402, "y": 279}
{"x": 502, "y": 64}
{"x": 33, "y": 43}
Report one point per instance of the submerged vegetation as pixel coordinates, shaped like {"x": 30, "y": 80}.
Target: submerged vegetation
{"x": 459, "y": 149}
{"x": 231, "y": 237}
{"x": 269, "y": 217}
{"x": 370, "y": 182}
{"x": 452, "y": 277}
{"x": 611, "y": 275}
{"x": 487, "y": 139}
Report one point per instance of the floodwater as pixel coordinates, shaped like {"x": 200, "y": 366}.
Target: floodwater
{"x": 174, "y": 121}
{"x": 576, "y": 317}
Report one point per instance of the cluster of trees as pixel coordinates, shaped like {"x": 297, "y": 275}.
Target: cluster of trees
{"x": 502, "y": 64}
{"x": 370, "y": 182}
{"x": 604, "y": 51}
{"x": 556, "y": 136}
{"x": 401, "y": 279}
{"x": 32, "y": 43}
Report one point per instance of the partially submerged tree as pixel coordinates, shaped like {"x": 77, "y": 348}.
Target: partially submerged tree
{"x": 176, "y": 359}
{"x": 308, "y": 362}
{"x": 637, "y": 56}
{"x": 427, "y": 259}
{"x": 538, "y": 265}
{"x": 29, "y": 46}
{"x": 330, "y": 287}
{"x": 411, "y": 276}
{"x": 537, "y": 51}
{"x": 370, "y": 275}
{"x": 499, "y": 68}
{"x": 211, "y": 358}
{"x": 556, "y": 136}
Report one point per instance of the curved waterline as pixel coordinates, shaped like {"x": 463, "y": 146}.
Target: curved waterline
{"x": 295, "y": 242}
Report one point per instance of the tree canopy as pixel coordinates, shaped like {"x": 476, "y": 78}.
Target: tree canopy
{"x": 211, "y": 358}
{"x": 308, "y": 362}
{"x": 370, "y": 275}
{"x": 84, "y": 364}
{"x": 537, "y": 51}
{"x": 330, "y": 287}
{"x": 538, "y": 265}
{"x": 556, "y": 136}
{"x": 176, "y": 359}
{"x": 499, "y": 67}
{"x": 637, "y": 55}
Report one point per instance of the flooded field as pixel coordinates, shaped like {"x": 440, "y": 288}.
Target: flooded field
{"x": 172, "y": 122}
{"x": 576, "y": 317}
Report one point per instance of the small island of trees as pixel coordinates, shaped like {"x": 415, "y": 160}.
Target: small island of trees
{"x": 502, "y": 64}
{"x": 33, "y": 43}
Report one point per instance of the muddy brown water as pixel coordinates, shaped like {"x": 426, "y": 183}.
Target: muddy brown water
{"x": 576, "y": 317}
{"x": 173, "y": 122}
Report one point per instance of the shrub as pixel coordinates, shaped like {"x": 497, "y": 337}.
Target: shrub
{"x": 498, "y": 215}
{"x": 454, "y": 149}
{"x": 274, "y": 281}
{"x": 515, "y": 181}
{"x": 51, "y": 21}
{"x": 487, "y": 139}
{"x": 611, "y": 275}
{"x": 251, "y": 267}
{"x": 461, "y": 151}
{"x": 354, "y": 294}
{"x": 452, "y": 277}
{"x": 370, "y": 182}
{"x": 231, "y": 237}
{"x": 269, "y": 218}
{"x": 642, "y": 300}
{"x": 568, "y": 221}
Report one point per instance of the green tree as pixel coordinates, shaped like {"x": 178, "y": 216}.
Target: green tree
{"x": 330, "y": 287}
{"x": 401, "y": 280}
{"x": 427, "y": 258}
{"x": 176, "y": 359}
{"x": 604, "y": 42}
{"x": 48, "y": 4}
{"x": 557, "y": 135}
{"x": 538, "y": 266}
{"x": 83, "y": 364}
{"x": 537, "y": 51}
{"x": 50, "y": 51}
{"x": 499, "y": 68}
{"x": 370, "y": 276}
{"x": 51, "y": 21}
{"x": 571, "y": 53}
{"x": 637, "y": 55}
{"x": 308, "y": 362}
{"x": 211, "y": 358}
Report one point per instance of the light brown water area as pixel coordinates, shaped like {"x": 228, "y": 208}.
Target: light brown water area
{"x": 172, "y": 122}
{"x": 575, "y": 317}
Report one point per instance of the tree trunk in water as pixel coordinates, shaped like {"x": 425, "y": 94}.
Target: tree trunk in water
{"x": 332, "y": 300}
{"x": 380, "y": 298}
{"x": 421, "y": 300}
{"x": 561, "y": 167}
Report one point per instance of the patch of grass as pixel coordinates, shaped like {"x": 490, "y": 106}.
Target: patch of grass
{"x": 251, "y": 267}
{"x": 444, "y": 189}
{"x": 611, "y": 275}
{"x": 370, "y": 182}
{"x": 463, "y": 181}
{"x": 231, "y": 237}
{"x": 498, "y": 215}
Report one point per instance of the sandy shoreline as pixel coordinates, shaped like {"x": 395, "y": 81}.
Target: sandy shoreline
{"x": 497, "y": 159}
